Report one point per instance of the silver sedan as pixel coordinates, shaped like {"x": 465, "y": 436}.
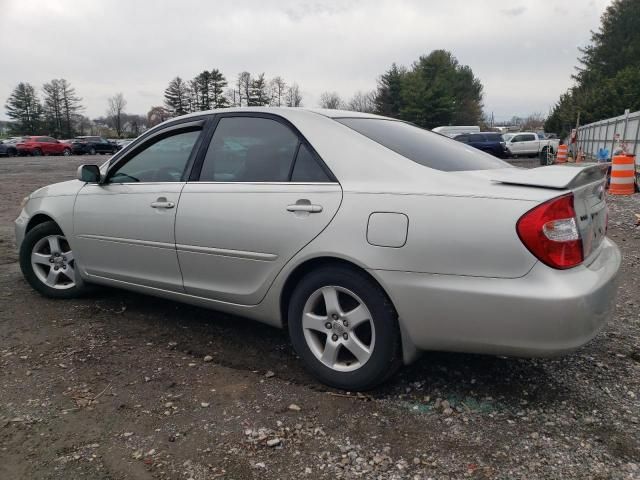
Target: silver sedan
{"x": 368, "y": 238}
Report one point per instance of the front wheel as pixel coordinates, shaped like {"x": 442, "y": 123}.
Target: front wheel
{"x": 344, "y": 328}
{"x": 37, "y": 152}
{"x": 48, "y": 263}
{"x": 92, "y": 151}
{"x": 66, "y": 152}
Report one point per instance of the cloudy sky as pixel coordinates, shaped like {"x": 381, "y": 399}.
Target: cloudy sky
{"x": 523, "y": 51}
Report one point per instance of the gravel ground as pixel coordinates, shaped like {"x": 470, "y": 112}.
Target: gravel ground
{"x": 120, "y": 385}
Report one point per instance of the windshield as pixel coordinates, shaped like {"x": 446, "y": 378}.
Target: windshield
{"x": 422, "y": 146}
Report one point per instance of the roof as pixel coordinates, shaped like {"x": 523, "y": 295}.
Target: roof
{"x": 285, "y": 111}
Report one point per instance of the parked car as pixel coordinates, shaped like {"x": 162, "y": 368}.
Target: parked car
{"x": 40, "y": 145}
{"x": 530, "y": 144}
{"x": 92, "y": 145}
{"x": 490, "y": 142}
{"x": 8, "y": 148}
{"x": 123, "y": 143}
{"x": 370, "y": 239}
{"x": 453, "y": 130}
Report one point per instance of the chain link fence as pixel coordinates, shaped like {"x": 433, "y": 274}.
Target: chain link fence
{"x": 610, "y": 133}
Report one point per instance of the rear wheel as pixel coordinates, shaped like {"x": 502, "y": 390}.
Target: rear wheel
{"x": 344, "y": 328}
{"x": 92, "y": 151}
{"x": 37, "y": 152}
{"x": 12, "y": 152}
{"x": 66, "y": 152}
{"x": 48, "y": 263}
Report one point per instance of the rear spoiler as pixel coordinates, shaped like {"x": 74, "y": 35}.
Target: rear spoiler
{"x": 561, "y": 177}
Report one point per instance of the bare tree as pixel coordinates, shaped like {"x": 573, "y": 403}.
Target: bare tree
{"x": 363, "y": 102}
{"x": 117, "y": 104}
{"x": 293, "y": 96}
{"x": 243, "y": 84}
{"x": 157, "y": 115}
{"x": 278, "y": 89}
{"x": 331, "y": 100}
{"x": 534, "y": 121}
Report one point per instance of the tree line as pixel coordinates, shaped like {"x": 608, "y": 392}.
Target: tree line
{"x": 607, "y": 79}
{"x": 56, "y": 112}
{"x": 210, "y": 90}
{"x": 435, "y": 90}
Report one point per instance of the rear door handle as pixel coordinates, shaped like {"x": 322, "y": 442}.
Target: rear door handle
{"x": 304, "y": 207}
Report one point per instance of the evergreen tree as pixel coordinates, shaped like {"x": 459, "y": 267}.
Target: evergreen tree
{"x": 439, "y": 91}
{"x": 217, "y": 84}
{"x": 70, "y": 106}
{"x": 203, "y": 81}
{"x": 24, "y": 108}
{"x": 176, "y": 97}
{"x": 608, "y": 77}
{"x": 388, "y": 99}
{"x": 52, "y": 107}
{"x": 258, "y": 93}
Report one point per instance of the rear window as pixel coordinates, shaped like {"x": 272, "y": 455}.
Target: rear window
{"x": 422, "y": 146}
{"x": 476, "y": 137}
{"x": 493, "y": 137}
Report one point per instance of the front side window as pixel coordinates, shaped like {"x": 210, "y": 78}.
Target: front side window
{"x": 248, "y": 149}
{"x": 422, "y": 146}
{"x": 164, "y": 160}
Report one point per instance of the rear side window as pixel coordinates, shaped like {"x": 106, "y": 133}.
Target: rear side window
{"x": 306, "y": 168}
{"x": 249, "y": 149}
{"x": 422, "y": 146}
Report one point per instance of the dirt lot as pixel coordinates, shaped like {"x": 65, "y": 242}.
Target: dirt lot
{"x": 120, "y": 385}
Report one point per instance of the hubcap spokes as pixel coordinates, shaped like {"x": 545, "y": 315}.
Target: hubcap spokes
{"x": 53, "y": 262}
{"x": 338, "y": 328}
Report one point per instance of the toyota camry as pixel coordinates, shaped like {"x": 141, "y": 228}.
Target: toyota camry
{"x": 368, "y": 238}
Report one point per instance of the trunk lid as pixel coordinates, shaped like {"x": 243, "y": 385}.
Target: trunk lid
{"x": 586, "y": 182}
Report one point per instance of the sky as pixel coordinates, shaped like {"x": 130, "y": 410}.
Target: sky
{"x": 524, "y": 52}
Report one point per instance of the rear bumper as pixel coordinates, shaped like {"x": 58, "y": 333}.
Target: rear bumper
{"x": 546, "y": 312}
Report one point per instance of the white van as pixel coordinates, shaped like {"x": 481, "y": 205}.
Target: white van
{"x": 453, "y": 130}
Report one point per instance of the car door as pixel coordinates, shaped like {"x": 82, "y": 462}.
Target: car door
{"x": 477, "y": 140}
{"x": 516, "y": 145}
{"x": 259, "y": 196}
{"x": 124, "y": 227}
{"x": 530, "y": 143}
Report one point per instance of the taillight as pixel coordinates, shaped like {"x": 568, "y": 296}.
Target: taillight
{"x": 551, "y": 233}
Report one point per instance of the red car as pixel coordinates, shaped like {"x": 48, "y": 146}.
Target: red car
{"x": 42, "y": 146}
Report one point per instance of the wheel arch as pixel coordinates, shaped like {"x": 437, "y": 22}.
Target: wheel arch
{"x": 38, "y": 219}
{"x": 409, "y": 351}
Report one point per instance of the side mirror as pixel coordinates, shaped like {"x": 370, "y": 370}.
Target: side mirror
{"x": 89, "y": 173}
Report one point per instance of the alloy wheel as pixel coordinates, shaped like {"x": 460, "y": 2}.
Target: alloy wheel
{"x": 338, "y": 328}
{"x": 53, "y": 262}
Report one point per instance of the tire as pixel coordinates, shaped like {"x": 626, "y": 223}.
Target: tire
{"x": 36, "y": 152}
{"x": 379, "y": 334}
{"x": 92, "y": 151}
{"x": 36, "y": 263}
{"x": 66, "y": 152}
{"x": 12, "y": 152}
{"x": 543, "y": 156}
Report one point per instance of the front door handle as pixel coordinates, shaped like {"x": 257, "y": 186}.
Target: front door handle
{"x": 304, "y": 207}
{"x": 162, "y": 203}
